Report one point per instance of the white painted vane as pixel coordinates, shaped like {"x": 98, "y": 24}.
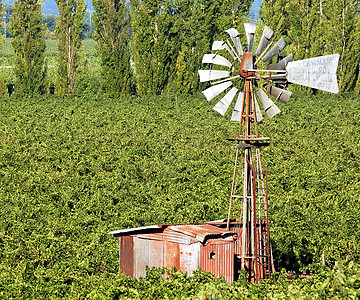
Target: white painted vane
{"x": 318, "y": 72}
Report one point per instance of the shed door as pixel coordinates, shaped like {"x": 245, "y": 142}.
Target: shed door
{"x": 147, "y": 253}
{"x": 189, "y": 257}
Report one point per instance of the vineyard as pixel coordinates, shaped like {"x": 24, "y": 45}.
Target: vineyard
{"x": 73, "y": 169}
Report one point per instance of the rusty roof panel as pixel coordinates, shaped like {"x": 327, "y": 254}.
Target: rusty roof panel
{"x": 178, "y": 237}
{"x": 201, "y": 232}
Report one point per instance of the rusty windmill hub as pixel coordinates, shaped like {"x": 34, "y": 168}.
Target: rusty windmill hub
{"x": 248, "y": 202}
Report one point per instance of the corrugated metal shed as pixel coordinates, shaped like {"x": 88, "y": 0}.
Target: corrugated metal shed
{"x": 188, "y": 247}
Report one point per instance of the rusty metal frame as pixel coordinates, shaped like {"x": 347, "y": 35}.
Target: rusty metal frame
{"x": 255, "y": 253}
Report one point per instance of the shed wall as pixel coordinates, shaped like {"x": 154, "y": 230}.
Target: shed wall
{"x": 126, "y": 253}
{"x": 189, "y": 257}
{"x": 147, "y": 253}
{"x": 218, "y": 259}
{"x": 172, "y": 255}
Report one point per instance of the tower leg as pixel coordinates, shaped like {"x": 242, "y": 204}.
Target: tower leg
{"x": 250, "y": 178}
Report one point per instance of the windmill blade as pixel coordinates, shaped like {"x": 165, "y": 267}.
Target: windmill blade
{"x": 207, "y": 75}
{"x": 278, "y": 47}
{"x": 267, "y": 35}
{"x": 281, "y": 65}
{"x": 222, "y": 106}
{"x": 318, "y": 72}
{"x": 216, "y": 60}
{"x": 215, "y": 90}
{"x": 278, "y": 78}
{"x": 270, "y": 108}
{"x": 235, "y": 37}
{"x": 259, "y": 116}
{"x": 236, "y": 116}
{"x": 280, "y": 94}
{"x": 250, "y": 29}
{"x": 220, "y": 45}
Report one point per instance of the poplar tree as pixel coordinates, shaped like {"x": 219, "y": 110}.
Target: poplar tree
{"x": 305, "y": 35}
{"x": 314, "y": 28}
{"x": 170, "y": 38}
{"x": 112, "y": 45}
{"x": 341, "y": 31}
{"x": 199, "y": 22}
{"x": 2, "y": 37}
{"x": 274, "y": 14}
{"x": 28, "y": 42}
{"x": 68, "y": 31}
{"x": 297, "y": 22}
{"x": 153, "y": 44}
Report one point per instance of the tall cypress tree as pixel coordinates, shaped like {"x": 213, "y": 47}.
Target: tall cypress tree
{"x": 2, "y": 37}
{"x": 153, "y": 44}
{"x": 170, "y": 38}
{"x": 112, "y": 45}
{"x": 28, "y": 42}
{"x": 341, "y": 31}
{"x": 68, "y": 30}
{"x": 322, "y": 27}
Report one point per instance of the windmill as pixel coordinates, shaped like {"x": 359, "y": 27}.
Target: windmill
{"x": 238, "y": 69}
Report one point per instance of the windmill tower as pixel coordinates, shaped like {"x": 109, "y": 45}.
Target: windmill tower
{"x": 248, "y": 202}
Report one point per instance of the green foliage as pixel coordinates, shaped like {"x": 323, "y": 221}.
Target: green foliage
{"x": 314, "y": 28}
{"x": 73, "y": 169}
{"x": 341, "y": 29}
{"x": 199, "y": 24}
{"x": 68, "y": 30}
{"x": 88, "y": 79}
{"x": 112, "y": 45}
{"x": 153, "y": 44}
{"x": 50, "y": 22}
{"x": 6, "y": 53}
{"x": 3, "y": 86}
{"x": 313, "y": 185}
{"x": 29, "y": 46}
{"x": 169, "y": 39}
{"x": 2, "y": 15}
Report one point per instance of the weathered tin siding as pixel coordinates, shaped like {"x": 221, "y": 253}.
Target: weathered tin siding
{"x": 189, "y": 257}
{"x": 147, "y": 253}
{"x": 187, "y": 247}
{"x": 126, "y": 252}
{"x": 172, "y": 254}
{"x": 218, "y": 258}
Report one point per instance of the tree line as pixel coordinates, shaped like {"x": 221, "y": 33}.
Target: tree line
{"x": 50, "y": 22}
{"x": 152, "y": 46}
{"x": 314, "y": 28}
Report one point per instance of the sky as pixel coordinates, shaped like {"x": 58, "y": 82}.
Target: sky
{"x": 254, "y": 10}
{"x": 50, "y": 7}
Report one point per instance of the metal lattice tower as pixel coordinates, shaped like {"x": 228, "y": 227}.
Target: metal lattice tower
{"x": 249, "y": 187}
{"x": 249, "y": 191}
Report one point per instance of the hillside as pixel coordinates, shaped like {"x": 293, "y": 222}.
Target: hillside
{"x": 73, "y": 169}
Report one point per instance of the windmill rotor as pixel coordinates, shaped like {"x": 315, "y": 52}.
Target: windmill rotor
{"x": 318, "y": 72}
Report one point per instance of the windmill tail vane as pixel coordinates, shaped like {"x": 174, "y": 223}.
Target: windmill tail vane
{"x": 248, "y": 203}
